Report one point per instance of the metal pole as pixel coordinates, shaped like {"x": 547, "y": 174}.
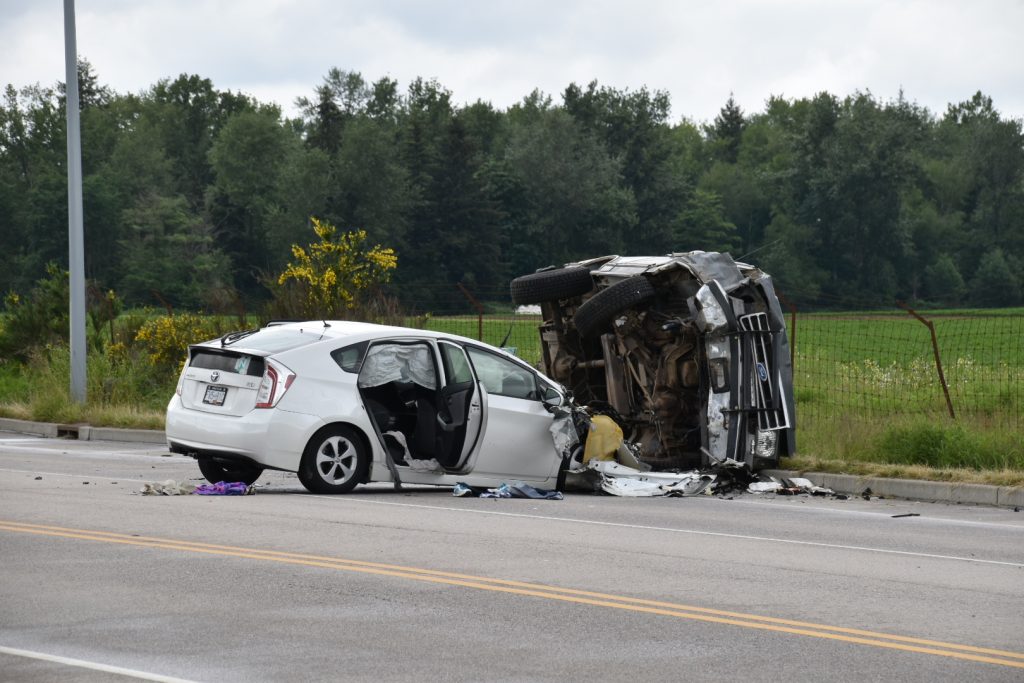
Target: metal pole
{"x": 935, "y": 349}
{"x": 479, "y": 310}
{"x": 76, "y": 239}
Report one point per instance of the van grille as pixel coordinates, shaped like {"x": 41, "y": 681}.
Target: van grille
{"x": 767, "y": 396}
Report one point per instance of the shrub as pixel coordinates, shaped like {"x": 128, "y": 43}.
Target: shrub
{"x": 333, "y": 277}
{"x": 165, "y": 339}
{"x": 37, "y": 319}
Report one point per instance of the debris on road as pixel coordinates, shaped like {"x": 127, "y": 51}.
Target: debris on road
{"x": 225, "y": 488}
{"x": 169, "y": 487}
{"x": 516, "y": 489}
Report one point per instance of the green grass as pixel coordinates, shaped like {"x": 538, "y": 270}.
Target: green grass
{"x": 126, "y": 393}
{"x": 520, "y": 330}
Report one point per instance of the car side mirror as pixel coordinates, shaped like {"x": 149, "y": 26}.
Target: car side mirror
{"x": 552, "y": 400}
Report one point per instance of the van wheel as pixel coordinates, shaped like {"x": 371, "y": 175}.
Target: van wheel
{"x": 216, "y": 471}
{"x": 335, "y": 461}
{"x": 597, "y": 311}
{"x": 551, "y": 285}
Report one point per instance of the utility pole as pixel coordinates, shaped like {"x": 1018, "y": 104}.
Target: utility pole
{"x": 76, "y": 236}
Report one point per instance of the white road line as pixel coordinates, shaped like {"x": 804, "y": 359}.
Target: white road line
{"x": 72, "y": 475}
{"x": 83, "y": 664}
{"x": 694, "y": 532}
{"x": 900, "y": 504}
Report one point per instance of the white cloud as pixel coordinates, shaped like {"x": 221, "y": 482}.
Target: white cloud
{"x": 939, "y": 52}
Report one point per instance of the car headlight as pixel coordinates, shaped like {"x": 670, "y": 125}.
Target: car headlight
{"x": 767, "y": 442}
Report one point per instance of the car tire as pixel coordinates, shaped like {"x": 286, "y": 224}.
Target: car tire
{"x": 335, "y": 461}
{"x": 551, "y": 285}
{"x": 216, "y": 471}
{"x": 597, "y": 311}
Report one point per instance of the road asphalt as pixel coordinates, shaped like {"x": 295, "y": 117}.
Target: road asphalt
{"x": 102, "y": 583}
{"x": 907, "y": 489}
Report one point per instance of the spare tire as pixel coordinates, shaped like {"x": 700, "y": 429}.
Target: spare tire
{"x": 551, "y": 285}
{"x": 597, "y": 311}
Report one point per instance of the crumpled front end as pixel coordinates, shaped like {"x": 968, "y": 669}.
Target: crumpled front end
{"x": 687, "y": 352}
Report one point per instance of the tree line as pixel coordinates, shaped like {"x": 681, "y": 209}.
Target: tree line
{"x": 192, "y": 194}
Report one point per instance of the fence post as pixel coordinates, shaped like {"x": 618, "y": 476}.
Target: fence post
{"x": 479, "y": 310}
{"x": 938, "y": 359}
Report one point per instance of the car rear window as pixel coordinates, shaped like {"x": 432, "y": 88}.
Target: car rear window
{"x": 227, "y": 361}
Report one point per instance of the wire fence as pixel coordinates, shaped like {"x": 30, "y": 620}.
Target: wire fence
{"x": 849, "y": 368}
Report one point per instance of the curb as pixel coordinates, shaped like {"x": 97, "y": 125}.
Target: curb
{"x": 913, "y": 489}
{"x": 82, "y": 432}
{"x": 850, "y": 484}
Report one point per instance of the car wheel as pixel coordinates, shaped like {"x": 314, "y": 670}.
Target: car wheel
{"x": 216, "y": 471}
{"x": 335, "y": 461}
{"x": 594, "y": 313}
{"x": 551, "y": 285}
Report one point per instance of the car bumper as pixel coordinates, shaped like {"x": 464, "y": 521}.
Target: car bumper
{"x": 271, "y": 438}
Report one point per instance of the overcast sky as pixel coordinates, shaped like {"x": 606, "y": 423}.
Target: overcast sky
{"x": 937, "y": 51}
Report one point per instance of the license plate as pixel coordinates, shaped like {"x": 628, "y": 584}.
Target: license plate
{"x": 215, "y": 395}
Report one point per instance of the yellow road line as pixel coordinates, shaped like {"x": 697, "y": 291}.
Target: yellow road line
{"x": 837, "y": 633}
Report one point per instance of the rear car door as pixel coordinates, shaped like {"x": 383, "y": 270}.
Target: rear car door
{"x": 460, "y": 408}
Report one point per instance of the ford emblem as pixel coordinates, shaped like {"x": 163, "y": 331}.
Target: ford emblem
{"x": 214, "y": 376}
{"x": 762, "y": 372}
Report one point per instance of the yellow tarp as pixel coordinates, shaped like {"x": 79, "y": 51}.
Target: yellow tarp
{"x": 604, "y": 439}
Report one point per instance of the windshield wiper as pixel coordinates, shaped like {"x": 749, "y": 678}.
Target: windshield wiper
{"x": 232, "y": 337}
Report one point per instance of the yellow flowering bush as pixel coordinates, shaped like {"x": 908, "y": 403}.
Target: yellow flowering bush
{"x": 166, "y": 338}
{"x": 333, "y": 272}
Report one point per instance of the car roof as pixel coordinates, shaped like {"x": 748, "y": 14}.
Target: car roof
{"x": 293, "y": 335}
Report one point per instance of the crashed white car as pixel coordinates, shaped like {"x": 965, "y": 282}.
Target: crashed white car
{"x": 342, "y": 403}
{"x": 687, "y": 352}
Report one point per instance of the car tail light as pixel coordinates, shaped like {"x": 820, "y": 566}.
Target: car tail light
{"x": 181, "y": 379}
{"x": 276, "y": 380}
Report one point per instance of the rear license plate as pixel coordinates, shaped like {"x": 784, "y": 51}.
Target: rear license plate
{"x": 215, "y": 395}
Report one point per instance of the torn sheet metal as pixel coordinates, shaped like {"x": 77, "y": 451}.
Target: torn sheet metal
{"x": 619, "y": 480}
{"x": 791, "y": 486}
{"x": 564, "y": 434}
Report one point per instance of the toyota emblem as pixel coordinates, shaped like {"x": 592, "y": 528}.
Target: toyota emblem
{"x": 214, "y": 376}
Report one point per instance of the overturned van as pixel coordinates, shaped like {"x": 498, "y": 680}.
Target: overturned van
{"x": 687, "y": 352}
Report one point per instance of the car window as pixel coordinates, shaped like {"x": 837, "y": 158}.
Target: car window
{"x": 350, "y": 358}
{"x": 501, "y": 376}
{"x": 390, "y": 362}
{"x": 224, "y": 361}
{"x": 456, "y": 366}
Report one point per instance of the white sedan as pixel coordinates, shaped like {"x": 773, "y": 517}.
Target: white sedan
{"x": 343, "y": 403}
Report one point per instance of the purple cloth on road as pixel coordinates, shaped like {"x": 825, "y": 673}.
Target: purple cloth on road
{"x": 223, "y": 488}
